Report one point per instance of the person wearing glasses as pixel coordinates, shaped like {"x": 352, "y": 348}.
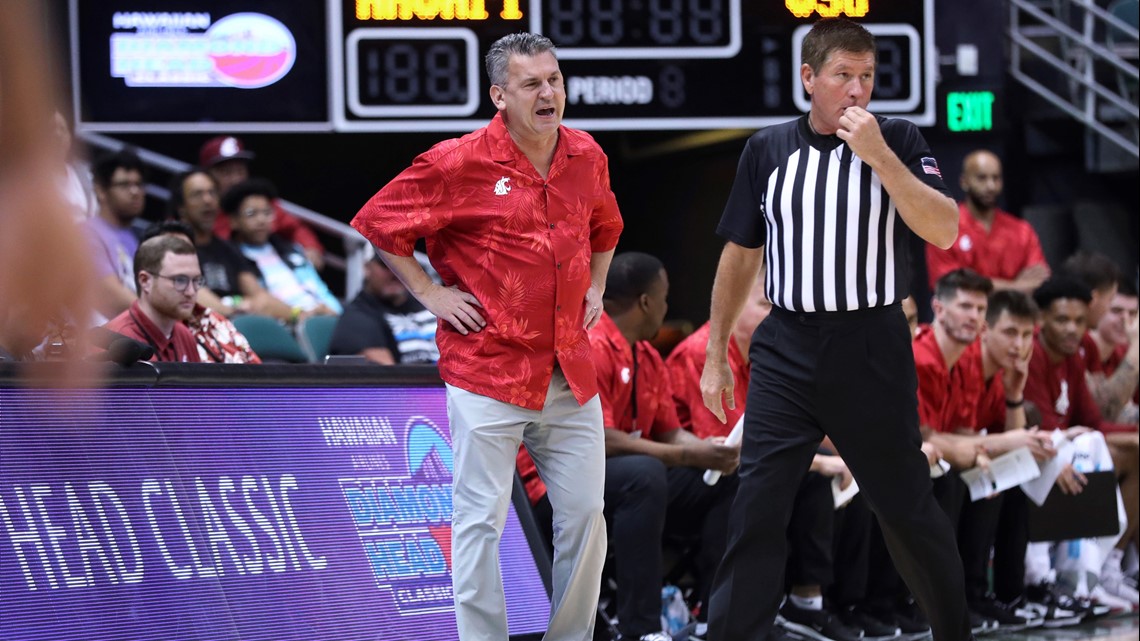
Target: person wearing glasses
{"x": 168, "y": 278}
{"x": 120, "y": 192}
{"x": 285, "y": 270}
{"x": 233, "y": 284}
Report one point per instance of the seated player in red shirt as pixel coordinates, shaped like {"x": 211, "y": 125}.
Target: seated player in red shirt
{"x": 1117, "y": 337}
{"x": 990, "y": 241}
{"x": 653, "y": 480}
{"x": 952, "y": 379}
{"x": 1112, "y": 391}
{"x": 1059, "y": 390}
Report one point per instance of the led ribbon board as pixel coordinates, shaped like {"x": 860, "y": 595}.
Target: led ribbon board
{"x": 224, "y": 514}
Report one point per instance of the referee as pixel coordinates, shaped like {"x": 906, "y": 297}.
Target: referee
{"x": 829, "y": 201}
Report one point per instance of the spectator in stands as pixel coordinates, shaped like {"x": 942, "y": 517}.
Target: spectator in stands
{"x": 218, "y": 340}
{"x": 1057, "y": 386}
{"x": 285, "y": 271}
{"x": 119, "y": 189}
{"x": 1116, "y": 337}
{"x": 227, "y": 160}
{"x": 168, "y": 278}
{"x": 653, "y": 473}
{"x": 73, "y": 179}
{"x": 990, "y": 241}
{"x": 385, "y": 323}
{"x": 232, "y": 281}
{"x": 811, "y": 559}
{"x": 1100, "y": 275}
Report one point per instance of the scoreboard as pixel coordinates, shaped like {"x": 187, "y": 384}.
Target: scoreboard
{"x": 417, "y": 65}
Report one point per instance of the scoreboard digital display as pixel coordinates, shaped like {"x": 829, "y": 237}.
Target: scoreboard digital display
{"x": 417, "y": 65}
{"x": 236, "y": 513}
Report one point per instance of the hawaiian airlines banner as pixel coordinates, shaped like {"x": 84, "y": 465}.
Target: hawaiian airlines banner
{"x": 217, "y": 514}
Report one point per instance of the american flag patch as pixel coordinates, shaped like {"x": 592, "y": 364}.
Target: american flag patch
{"x": 930, "y": 166}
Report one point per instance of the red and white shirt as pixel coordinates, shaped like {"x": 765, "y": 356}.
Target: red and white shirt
{"x": 1060, "y": 392}
{"x": 1008, "y": 247}
{"x": 685, "y": 363}
{"x": 651, "y": 415}
{"x": 947, "y": 397}
{"x": 521, "y": 244}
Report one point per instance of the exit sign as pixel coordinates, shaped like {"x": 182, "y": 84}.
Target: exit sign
{"x": 970, "y": 110}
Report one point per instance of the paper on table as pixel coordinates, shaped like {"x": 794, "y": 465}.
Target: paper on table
{"x": 1038, "y": 489}
{"x": 1012, "y": 468}
{"x": 843, "y": 497}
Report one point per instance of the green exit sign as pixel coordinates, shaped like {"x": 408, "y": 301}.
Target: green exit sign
{"x": 970, "y": 110}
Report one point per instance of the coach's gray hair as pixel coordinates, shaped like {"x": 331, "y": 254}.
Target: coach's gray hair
{"x": 523, "y": 44}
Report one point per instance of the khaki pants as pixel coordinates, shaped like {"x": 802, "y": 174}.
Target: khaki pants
{"x": 568, "y": 447}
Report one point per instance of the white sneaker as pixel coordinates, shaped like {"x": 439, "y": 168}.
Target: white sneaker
{"x": 1099, "y": 595}
{"x": 1114, "y": 582}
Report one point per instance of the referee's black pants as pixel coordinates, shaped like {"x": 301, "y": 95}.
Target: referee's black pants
{"x": 811, "y": 534}
{"x": 849, "y": 375}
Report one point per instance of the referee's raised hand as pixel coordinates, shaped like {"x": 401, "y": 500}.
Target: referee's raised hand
{"x": 860, "y": 130}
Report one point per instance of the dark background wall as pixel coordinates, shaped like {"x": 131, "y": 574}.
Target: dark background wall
{"x": 672, "y": 185}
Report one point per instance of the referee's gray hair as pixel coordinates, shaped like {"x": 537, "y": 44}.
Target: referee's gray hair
{"x": 523, "y": 44}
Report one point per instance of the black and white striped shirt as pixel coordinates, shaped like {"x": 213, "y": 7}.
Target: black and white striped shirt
{"x": 833, "y": 238}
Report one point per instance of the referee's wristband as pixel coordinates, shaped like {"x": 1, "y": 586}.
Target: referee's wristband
{"x": 1014, "y": 404}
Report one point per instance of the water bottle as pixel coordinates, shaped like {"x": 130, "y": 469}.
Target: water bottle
{"x": 674, "y": 612}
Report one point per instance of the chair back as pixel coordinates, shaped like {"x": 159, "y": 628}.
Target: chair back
{"x": 314, "y": 334}
{"x": 271, "y": 340}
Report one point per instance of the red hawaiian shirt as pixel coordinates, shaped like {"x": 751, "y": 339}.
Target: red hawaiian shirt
{"x": 685, "y": 363}
{"x": 1008, "y": 247}
{"x": 520, "y": 244}
{"x": 219, "y": 341}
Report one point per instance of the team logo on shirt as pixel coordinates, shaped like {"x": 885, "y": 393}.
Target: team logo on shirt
{"x": 503, "y": 187}
{"x": 625, "y": 375}
{"x": 965, "y": 244}
{"x": 1062, "y": 404}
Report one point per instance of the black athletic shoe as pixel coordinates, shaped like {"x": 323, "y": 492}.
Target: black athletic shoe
{"x": 1056, "y": 610}
{"x": 873, "y": 628}
{"x": 911, "y": 620}
{"x": 817, "y": 624}
{"x": 1008, "y": 619}
{"x": 979, "y": 623}
{"x": 700, "y": 632}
